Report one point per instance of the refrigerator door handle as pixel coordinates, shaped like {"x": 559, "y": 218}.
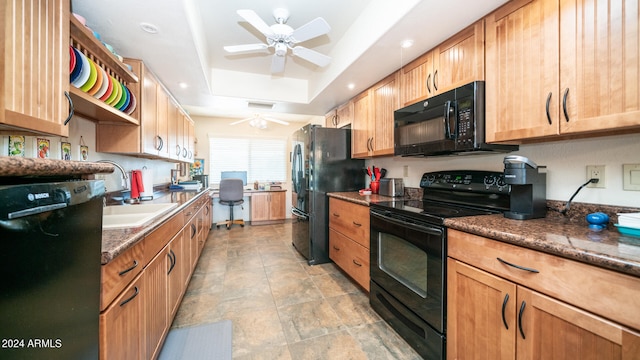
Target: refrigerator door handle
{"x": 300, "y": 214}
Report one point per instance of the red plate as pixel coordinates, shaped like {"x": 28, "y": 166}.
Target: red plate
{"x": 72, "y": 59}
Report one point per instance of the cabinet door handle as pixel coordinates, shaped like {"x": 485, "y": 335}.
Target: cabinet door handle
{"x": 135, "y": 264}
{"x": 564, "y": 104}
{"x": 336, "y": 214}
{"x": 518, "y": 266}
{"x": 547, "y": 107}
{"x": 71, "y": 110}
{"x": 520, "y": 318}
{"x": 177, "y": 150}
{"x": 504, "y": 306}
{"x": 172, "y": 259}
{"x": 135, "y": 293}
{"x": 428, "y": 86}
{"x": 193, "y": 230}
{"x": 356, "y": 224}
{"x": 357, "y": 263}
{"x": 160, "y": 143}
{"x": 435, "y": 81}
{"x": 336, "y": 248}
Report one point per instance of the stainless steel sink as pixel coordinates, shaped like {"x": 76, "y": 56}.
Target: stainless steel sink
{"x": 126, "y": 216}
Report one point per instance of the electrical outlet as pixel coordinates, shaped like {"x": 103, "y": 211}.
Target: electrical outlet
{"x": 596, "y": 172}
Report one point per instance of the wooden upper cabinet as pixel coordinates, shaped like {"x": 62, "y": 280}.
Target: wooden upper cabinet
{"x": 344, "y": 114}
{"x": 417, "y": 79}
{"x": 599, "y": 65}
{"x": 560, "y": 67}
{"x": 522, "y": 73}
{"x": 330, "y": 119}
{"x": 457, "y": 61}
{"x": 386, "y": 100}
{"x": 460, "y": 59}
{"x": 34, "y": 66}
{"x": 360, "y": 139}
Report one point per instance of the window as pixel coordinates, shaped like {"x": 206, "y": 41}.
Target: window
{"x": 263, "y": 159}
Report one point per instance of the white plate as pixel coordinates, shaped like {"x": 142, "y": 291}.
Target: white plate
{"x": 105, "y": 84}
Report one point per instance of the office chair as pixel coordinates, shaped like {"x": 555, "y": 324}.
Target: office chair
{"x": 231, "y": 194}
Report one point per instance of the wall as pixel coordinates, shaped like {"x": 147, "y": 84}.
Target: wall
{"x": 566, "y": 163}
{"x": 80, "y": 127}
{"x": 205, "y": 126}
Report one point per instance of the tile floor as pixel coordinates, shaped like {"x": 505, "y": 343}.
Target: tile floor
{"x": 282, "y": 308}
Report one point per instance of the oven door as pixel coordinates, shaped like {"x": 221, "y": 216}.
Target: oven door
{"x": 408, "y": 262}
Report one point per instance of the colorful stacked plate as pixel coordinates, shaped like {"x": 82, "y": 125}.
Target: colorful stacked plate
{"x": 72, "y": 59}
{"x": 99, "y": 78}
{"x": 93, "y": 76}
{"x": 109, "y": 90}
{"x": 85, "y": 72}
{"x": 77, "y": 68}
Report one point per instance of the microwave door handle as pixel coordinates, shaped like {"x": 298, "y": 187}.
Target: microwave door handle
{"x": 448, "y": 134}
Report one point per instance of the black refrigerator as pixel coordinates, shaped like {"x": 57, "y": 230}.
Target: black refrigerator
{"x": 320, "y": 163}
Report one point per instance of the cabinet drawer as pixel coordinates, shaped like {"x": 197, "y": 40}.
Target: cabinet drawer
{"x": 604, "y": 292}
{"x": 119, "y": 272}
{"x": 350, "y": 219}
{"x": 350, "y": 256}
{"x": 155, "y": 241}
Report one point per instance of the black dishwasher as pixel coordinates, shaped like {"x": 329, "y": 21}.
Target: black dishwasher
{"x": 50, "y": 255}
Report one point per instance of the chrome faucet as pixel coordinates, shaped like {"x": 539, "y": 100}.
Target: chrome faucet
{"x": 124, "y": 173}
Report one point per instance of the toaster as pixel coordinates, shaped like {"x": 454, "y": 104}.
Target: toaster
{"x": 391, "y": 187}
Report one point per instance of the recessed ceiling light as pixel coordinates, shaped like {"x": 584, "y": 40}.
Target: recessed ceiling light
{"x": 407, "y": 43}
{"x": 351, "y": 86}
{"x": 183, "y": 85}
{"x": 150, "y": 28}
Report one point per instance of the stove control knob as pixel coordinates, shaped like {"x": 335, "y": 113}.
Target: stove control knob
{"x": 489, "y": 180}
{"x": 501, "y": 182}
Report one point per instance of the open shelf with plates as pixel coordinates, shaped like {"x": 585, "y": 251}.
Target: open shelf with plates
{"x": 83, "y": 40}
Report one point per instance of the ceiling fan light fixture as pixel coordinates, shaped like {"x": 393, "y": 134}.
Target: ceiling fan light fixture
{"x": 281, "y": 49}
{"x": 258, "y": 123}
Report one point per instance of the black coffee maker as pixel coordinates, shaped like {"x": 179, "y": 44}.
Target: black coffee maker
{"x": 528, "y": 188}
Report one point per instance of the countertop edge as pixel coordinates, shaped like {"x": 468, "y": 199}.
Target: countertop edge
{"x": 474, "y": 225}
{"x": 21, "y": 166}
{"x": 126, "y": 238}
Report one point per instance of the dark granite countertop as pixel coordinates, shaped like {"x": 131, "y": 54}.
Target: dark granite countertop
{"x": 355, "y": 197}
{"x": 21, "y": 166}
{"x": 116, "y": 241}
{"x": 565, "y": 236}
{"x": 559, "y": 236}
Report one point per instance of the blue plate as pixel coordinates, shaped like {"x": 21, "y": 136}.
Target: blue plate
{"x": 127, "y": 100}
{"x": 628, "y": 231}
{"x": 78, "y": 68}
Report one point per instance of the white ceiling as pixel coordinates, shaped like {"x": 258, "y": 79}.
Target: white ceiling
{"x": 364, "y": 43}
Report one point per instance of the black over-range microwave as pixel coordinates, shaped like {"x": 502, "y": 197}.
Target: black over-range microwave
{"x": 449, "y": 123}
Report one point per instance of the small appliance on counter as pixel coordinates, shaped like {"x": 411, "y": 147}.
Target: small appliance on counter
{"x": 391, "y": 187}
{"x": 528, "y": 188}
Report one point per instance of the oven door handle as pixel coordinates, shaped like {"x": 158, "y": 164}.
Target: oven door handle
{"x": 433, "y": 230}
{"x": 299, "y": 214}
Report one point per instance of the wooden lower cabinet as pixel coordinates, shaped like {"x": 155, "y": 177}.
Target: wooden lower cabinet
{"x": 268, "y": 207}
{"x": 137, "y": 313}
{"x": 493, "y": 317}
{"x": 349, "y": 239}
{"x": 155, "y": 304}
{"x": 121, "y": 325}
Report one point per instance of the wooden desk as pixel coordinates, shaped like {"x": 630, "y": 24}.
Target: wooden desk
{"x": 266, "y": 206}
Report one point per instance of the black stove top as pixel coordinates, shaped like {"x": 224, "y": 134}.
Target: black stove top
{"x": 450, "y": 194}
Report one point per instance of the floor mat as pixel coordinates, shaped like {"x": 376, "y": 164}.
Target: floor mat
{"x": 208, "y": 341}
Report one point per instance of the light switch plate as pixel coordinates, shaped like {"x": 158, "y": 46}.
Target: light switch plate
{"x": 631, "y": 176}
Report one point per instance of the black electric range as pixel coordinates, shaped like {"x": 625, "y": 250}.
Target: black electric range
{"x": 409, "y": 248}
{"x": 458, "y": 193}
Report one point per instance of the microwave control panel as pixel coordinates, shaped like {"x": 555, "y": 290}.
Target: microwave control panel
{"x": 465, "y": 128}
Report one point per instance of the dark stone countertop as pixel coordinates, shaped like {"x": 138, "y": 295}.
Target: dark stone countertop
{"x": 566, "y": 236}
{"x": 559, "y": 236}
{"x": 15, "y": 166}
{"x": 116, "y": 241}
{"x": 355, "y": 197}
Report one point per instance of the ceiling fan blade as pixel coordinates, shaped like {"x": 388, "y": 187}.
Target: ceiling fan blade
{"x": 256, "y": 21}
{"x": 241, "y": 121}
{"x": 277, "y": 64}
{"x": 276, "y": 120}
{"x": 311, "y": 56}
{"x": 313, "y": 28}
{"x": 245, "y": 47}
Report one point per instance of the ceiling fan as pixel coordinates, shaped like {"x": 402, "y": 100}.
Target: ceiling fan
{"x": 282, "y": 37}
{"x": 259, "y": 121}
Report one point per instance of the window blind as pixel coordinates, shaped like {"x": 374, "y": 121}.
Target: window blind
{"x": 263, "y": 159}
